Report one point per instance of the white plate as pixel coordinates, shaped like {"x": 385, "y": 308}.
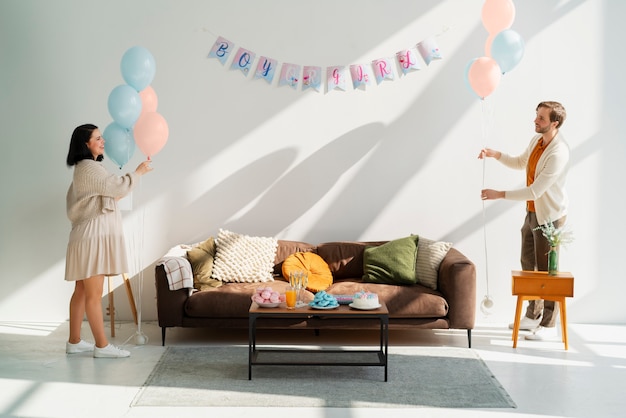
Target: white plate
{"x": 364, "y": 309}
{"x": 324, "y": 307}
{"x": 268, "y": 305}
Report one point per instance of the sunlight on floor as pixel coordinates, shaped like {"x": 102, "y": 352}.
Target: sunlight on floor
{"x": 37, "y": 329}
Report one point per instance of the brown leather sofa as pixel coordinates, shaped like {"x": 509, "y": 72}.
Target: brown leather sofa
{"x": 451, "y": 306}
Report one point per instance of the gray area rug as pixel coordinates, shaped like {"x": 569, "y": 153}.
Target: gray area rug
{"x": 444, "y": 377}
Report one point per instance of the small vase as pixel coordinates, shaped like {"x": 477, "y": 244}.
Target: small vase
{"x": 553, "y": 261}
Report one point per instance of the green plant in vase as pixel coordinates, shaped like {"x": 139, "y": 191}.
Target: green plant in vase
{"x": 556, "y": 237}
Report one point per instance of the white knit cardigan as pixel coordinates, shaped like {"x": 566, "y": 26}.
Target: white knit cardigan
{"x": 94, "y": 191}
{"x": 548, "y": 188}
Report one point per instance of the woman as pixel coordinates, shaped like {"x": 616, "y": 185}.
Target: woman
{"x": 96, "y": 244}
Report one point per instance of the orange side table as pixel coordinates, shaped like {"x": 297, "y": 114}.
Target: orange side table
{"x": 532, "y": 285}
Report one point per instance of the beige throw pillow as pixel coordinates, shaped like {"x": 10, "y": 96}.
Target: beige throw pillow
{"x": 201, "y": 258}
{"x": 429, "y": 256}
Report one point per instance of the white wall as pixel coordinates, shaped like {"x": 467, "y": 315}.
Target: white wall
{"x": 399, "y": 158}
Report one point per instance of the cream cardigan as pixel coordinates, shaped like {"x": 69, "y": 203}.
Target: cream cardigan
{"x": 93, "y": 191}
{"x": 548, "y": 188}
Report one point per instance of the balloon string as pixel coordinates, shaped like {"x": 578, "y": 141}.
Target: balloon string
{"x": 135, "y": 248}
{"x": 140, "y": 263}
{"x": 484, "y": 132}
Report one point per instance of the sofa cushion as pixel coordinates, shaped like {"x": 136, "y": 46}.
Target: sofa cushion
{"x": 392, "y": 262}
{"x": 242, "y": 258}
{"x": 285, "y": 249}
{"x": 319, "y": 275}
{"x": 402, "y": 301}
{"x": 429, "y": 256}
{"x": 345, "y": 258}
{"x": 201, "y": 258}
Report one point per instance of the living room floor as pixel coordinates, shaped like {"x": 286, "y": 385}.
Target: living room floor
{"x": 37, "y": 378}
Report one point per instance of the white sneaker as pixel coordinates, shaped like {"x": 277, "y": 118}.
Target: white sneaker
{"x": 110, "y": 351}
{"x": 80, "y": 347}
{"x": 527, "y": 324}
{"x": 543, "y": 334}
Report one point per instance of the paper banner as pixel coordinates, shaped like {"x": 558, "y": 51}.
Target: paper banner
{"x": 243, "y": 61}
{"x": 221, "y": 49}
{"x": 429, "y": 50}
{"x": 361, "y": 75}
{"x": 289, "y": 75}
{"x": 407, "y": 60}
{"x": 265, "y": 69}
{"x": 383, "y": 69}
{"x": 312, "y": 78}
{"x": 336, "y": 78}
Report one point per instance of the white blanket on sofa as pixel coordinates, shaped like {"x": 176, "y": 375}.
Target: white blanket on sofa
{"x": 177, "y": 268}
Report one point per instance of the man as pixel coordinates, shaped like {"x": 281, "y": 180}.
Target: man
{"x": 546, "y": 161}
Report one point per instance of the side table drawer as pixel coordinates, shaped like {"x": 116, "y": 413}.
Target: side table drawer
{"x": 543, "y": 286}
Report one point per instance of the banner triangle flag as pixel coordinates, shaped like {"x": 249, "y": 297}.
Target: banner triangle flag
{"x": 312, "y": 78}
{"x": 243, "y": 61}
{"x": 221, "y": 50}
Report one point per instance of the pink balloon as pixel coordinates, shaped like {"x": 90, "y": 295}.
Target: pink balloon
{"x": 149, "y": 100}
{"x": 484, "y": 76}
{"x": 498, "y": 15}
{"x": 151, "y": 133}
{"x": 488, "y": 44}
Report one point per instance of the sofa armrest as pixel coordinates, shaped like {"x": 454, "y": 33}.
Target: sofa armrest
{"x": 170, "y": 303}
{"x": 457, "y": 283}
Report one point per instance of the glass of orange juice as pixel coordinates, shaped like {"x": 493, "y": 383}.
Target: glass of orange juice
{"x": 291, "y": 296}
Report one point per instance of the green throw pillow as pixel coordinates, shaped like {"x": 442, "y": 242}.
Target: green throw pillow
{"x": 392, "y": 262}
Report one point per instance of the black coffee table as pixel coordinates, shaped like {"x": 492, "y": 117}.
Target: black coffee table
{"x": 336, "y": 357}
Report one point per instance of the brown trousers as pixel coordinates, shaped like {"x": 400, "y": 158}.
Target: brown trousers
{"x": 534, "y": 257}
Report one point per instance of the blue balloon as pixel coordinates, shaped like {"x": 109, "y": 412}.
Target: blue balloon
{"x": 507, "y": 49}
{"x": 124, "y": 105}
{"x": 138, "y": 67}
{"x": 119, "y": 144}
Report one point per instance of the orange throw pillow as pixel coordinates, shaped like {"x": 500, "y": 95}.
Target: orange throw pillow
{"x": 320, "y": 277}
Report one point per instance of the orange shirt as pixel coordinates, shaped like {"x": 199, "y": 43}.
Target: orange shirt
{"x": 531, "y": 167}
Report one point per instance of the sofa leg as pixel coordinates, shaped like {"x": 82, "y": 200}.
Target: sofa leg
{"x": 469, "y": 338}
{"x": 163, "y": 336}
{"x": 317, "y": 332}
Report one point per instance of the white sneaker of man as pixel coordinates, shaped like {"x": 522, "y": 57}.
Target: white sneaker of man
{"x": 110, "y": 351}
{"x": 543, "y": 334}
{"x": 527, "y": 324}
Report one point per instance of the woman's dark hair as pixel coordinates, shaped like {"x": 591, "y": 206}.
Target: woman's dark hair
{"x": 78, "y": 145}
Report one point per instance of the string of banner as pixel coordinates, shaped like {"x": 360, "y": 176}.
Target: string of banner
{"x": 336, "y": 77}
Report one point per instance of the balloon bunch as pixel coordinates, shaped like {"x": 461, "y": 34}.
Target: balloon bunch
{"x": 504, "y": 48}
{"x": 133, "y": 107}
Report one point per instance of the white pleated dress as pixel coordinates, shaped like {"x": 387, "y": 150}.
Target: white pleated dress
{"x": 96, "y": 245}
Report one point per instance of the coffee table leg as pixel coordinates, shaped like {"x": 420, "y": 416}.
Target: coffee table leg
{"x": 251, "y": 342}
{"x": 386, "y": 346}
{"x": 384, "y": 342}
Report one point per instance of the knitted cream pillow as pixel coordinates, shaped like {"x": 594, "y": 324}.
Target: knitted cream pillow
{"x": 241, "y": 258}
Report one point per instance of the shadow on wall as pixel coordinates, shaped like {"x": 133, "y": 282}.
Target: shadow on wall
{"x": 395, "y": 154}
{"x": 391, "y": 156}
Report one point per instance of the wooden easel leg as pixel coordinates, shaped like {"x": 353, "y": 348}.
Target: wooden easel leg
{"x": 111, "y": 307}
{"x": 131, "y": 299}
